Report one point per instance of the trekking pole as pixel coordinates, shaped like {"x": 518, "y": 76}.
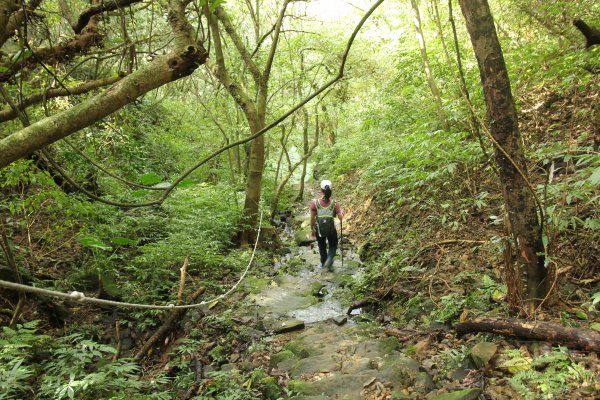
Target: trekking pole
{"x": 342, "y": 241}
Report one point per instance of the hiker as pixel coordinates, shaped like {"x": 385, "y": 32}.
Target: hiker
{"x": 322, "y": 223}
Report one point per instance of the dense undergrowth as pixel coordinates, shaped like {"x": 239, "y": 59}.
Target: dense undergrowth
{"x": 426, "y": 210}
{"x": 423, "y": 204}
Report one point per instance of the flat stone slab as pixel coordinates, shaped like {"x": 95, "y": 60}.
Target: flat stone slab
{"x": 314, "y": 365}
{"x": 288, "y": 325}
{"x": 340, "y": 320}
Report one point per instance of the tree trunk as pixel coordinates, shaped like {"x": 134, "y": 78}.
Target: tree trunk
{"x": 435, "y": 91}
{"x": 531, "y": 287}
{"x": 305, "y": 152}
{"x": 6, "y": 9}
{"x": 253, "y": 184}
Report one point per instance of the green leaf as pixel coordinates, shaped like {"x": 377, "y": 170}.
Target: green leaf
{"x": 123, "y": 241}
{"x": 214, "y": 4}
{"x": 581, "y": 314}
{"x": 94, "y": 243}
{"x": 595, "y": 177}
{"x": 595, "y": 326}
{"x": 150, "y": 179}
{"x": 185, "y": 183}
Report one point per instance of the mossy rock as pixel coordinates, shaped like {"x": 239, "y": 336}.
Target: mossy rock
{"x": 315, "y": 288}
{"x": 389, "y": 344}
{"x": 295, "y": 264}
{"x": 303, "y": 387}
{"x": 281, "y": 356}
{"x": 343, "y": 280}
{"x": 269, "y": 388}
{"x": 256, "y": 285}
{"x": 298, "y": 348}
{"x": 303, "y": 237}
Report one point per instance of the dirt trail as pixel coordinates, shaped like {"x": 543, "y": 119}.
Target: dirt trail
{"x": 324, "y": 360}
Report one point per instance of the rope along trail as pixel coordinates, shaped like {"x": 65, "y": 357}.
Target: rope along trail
{"x": 78, "y": 296}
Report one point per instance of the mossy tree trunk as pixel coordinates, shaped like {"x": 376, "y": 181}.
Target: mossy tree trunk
{"x": 530, "y": 288}
{"x": 182, "y": 61}
{"x": 253, "y": 105}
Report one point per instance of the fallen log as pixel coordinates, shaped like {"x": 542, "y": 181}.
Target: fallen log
{"x": 404, "y": 335}
{"x": 379, "y": 295}
{"x": 167, "y": 326}
{"x": 575, "y": 338}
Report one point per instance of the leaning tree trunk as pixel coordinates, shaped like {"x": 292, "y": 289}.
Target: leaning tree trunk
{"x": 435, "y": 91}
{"x": 530, "y": 288}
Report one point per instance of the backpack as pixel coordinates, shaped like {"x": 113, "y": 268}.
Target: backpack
{"x": 325, "y": 219}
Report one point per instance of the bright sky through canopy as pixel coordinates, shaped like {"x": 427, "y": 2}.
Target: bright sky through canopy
{"x": 335, "y": 10}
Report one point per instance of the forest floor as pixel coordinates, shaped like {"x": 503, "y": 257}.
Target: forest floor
{"x": 320, "y": 351}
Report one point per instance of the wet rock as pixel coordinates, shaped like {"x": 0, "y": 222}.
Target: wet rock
{"x": 316, "y": 288}
{"x": 234, "y": 358}
{"x": 340, "y": 320}
{"x": 318, "y": 364}
{"x": 303, "y": 237}
{"x": 342, "y": 386}
{"x": 423, "y": 383}
{"x": 288, "y": 326}
{"x": 483, "y": 352}
{"x": 398, "y": 370}
{"x": 355, "y": 365}
{"x": 342, "y": 280}
{"x": 288, "y": 365}
{"x": 466, "y": 394}
{"x": 298, "y": 348}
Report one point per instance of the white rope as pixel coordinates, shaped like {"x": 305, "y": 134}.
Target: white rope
{"x": 80, "y": 297}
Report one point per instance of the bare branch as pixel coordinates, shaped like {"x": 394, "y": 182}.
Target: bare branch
{"x": 220, "y": 70}
{"x": 66, "y": 12}
{"x": 104, "y": 6}
{"x": 238, "y": 43}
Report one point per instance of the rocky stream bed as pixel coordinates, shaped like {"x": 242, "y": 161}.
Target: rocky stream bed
{"x": 325, "y": 353}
